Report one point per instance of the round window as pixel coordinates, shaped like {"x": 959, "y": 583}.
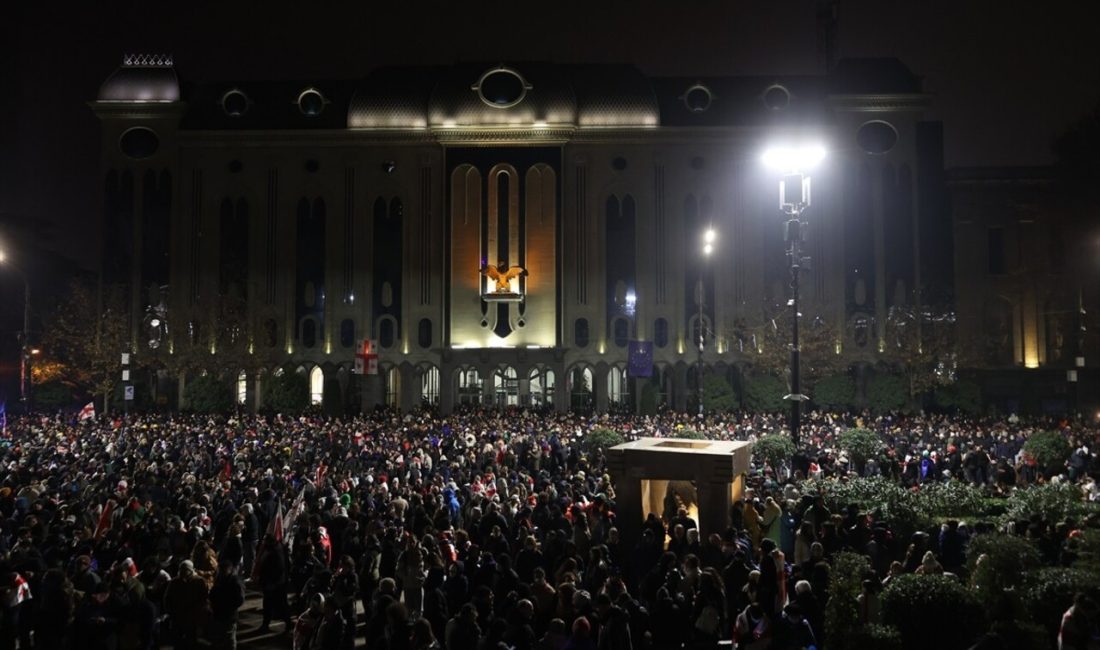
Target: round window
{"x": 698, "y": 98}
{"x": 235, "y": 103}
{"x": 776, "y": 97}
{"x": 139, "y": 142}
{"x": 618, "y": 163}
{"x": 501, "y": 88}
{"x": 311, "y": 102}
{"x": 877, "y": 137}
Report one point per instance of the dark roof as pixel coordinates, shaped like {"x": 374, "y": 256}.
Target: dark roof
{"x": 872, "y": 77}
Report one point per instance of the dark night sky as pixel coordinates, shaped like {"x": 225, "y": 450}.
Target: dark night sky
{"x": 1007, "y": 76}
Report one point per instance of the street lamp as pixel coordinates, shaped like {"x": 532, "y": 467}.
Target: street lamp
{"x": 709, "y": 237}
{"x": 794, "y": 197}
{"x": 24, "y": 336}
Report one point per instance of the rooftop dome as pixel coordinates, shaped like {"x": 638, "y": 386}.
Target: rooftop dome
{"x": 142, "y": 78}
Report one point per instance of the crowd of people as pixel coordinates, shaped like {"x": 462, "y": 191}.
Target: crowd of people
{"x": 484, "y": 529}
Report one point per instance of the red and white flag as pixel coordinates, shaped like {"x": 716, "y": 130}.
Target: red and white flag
{"x": 87, "y": 413}
{"x": 19, "y": 593}
{"x": 277, "y": 525}
{"x": 104, "y": 523}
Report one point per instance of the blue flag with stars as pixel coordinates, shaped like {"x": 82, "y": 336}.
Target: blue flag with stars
{"x": 640, "y": 360}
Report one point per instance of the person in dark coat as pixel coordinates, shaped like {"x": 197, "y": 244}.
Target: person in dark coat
{"x": 271, "y": 576}
{"x": 226, "y": 598}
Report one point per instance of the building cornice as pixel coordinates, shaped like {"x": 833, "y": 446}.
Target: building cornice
{"x": 137, "y": 110}
{"x": 880, "y": 103}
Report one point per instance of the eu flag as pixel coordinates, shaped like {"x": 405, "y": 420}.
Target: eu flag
{"x": 640, "y": 362}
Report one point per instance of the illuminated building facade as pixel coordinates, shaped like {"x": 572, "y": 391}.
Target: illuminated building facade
{"x": 374, "y": 209}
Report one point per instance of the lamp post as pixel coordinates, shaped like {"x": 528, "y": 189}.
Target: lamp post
{"x": 794, "y": 198}
{"x": 709, "y": 236}
{"x": 24, "y": 336}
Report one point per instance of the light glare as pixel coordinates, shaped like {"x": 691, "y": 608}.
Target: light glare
{"x": 784, "y": 158}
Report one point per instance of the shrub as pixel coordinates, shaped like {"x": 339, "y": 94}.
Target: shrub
{"x": 875, "y": 637}
{"x": 887, "y": 393}
{"x": 1052, "y": 501}
{"x": 53, "y": 395}
{"x": 687, "y": 434}
{"x": 952, "y": 499}
{"x": 842, "y": 608}
{"x": 208, "y": 394}
{"x": 773, "y": 449}
{"x": 602, "y": 439}
{"x": 763, "y": 393}
{"x": 718, "y": 394}
{"x": 932, "y": 611}
{"x": 887, "y": 501}
{"x": 1050, "y": 449}
{"x": 1005, "y": 559}
{"x": 286, "y": 393}
{"x": 835, "y": 393}
{"x": 1050, "y": 591}
{"x": 861, "y": 445}
{"x": 961, "y": 397}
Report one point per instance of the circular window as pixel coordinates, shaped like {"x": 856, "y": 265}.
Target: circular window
{"x": 235, "y": 103}
{"x": 698, "y": 98}
{"x": 235, "y": 166}
{"x": 501, "y": 88}
{"x": 311, "y": 102}
{"x": 877, "y": 137}
{"x": 139, "y": 142}
{"x": 618, "y": 163}
{"x": 776, "y": 97}
{"x": 312, "y": 166}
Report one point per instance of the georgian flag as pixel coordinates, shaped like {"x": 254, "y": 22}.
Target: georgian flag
{"x": 19, "y": 593}
{"x": 87, "y": 413}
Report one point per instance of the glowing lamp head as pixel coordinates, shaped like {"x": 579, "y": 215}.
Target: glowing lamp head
{"x": 787, "y": 158}
{"x": 708, "y": 249}
{"x": 155, "y": 322}
{"x": 709, "y": 236}
{"x": 3, "y": 257}
{"x": 631, "y": 298}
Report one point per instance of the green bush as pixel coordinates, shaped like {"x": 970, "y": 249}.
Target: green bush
{"x": 932, "y": 611}
{"x": 688, "y": 434}
{"x": 52, "y": 396}
{"x": 862, "y": 445}
{"x": 887, "y": 393}
{"x": 1052, "y": 501}
{"x": 842, "y": 608}
{"x": 773, "y": 449}
{"x": 718, "y": 394}
{"x": 286, "y": 393}
{"x": 602, "y": 439}
{"x": 887, "y": 501}
{"x": 996, "y": 563}
{"x": 763, "y": 393}
{"x": 1050, "y": 591}
{"x": 961, "y": 397}
{"x": 1050, "y": 449}
{"x": 954, "y": 499}
{"x": 208, "y": 394}
{"x": 834, "y": 393}
{"x": 874, "y": 637}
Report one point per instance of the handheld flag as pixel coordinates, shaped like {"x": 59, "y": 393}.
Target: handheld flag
{"x": 87, "y": 413}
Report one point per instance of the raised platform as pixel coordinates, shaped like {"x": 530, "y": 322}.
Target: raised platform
{"x": 502, "y": 296}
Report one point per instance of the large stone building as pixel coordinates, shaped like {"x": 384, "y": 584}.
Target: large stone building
{"x": 1026, "y": 269}
{"x": 336, "y": 211}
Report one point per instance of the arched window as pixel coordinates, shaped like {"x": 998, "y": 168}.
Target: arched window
{"x": 387, "y": 332}
{"x": 580, "y": 388}
{"x": 618, "y": 386}
{"x": 505, "y": 387}
{"x": 242, "y": 387}
{"x": 541, "y": 386}
{"x": 271, "y": 333}
{"x": 393, "y": 386}
{"x": 309, "y": 332}
{"x": 429, "y": 386}
{"x": 660, "y": 332}
{"x": 347, "y": 333}
{"x": 424, "y": 333}
{"x": 469, "y": 386}
{"x": 621, "y": 331}
{"x": 316, "y": 386}
{"x": 580, "y": 332}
